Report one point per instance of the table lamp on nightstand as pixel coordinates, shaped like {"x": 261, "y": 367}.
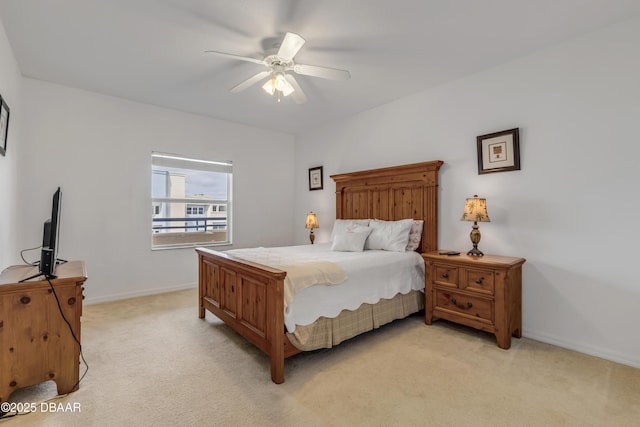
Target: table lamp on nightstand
{"x": 475, "y": 210}
{"x": 312, "y": 222}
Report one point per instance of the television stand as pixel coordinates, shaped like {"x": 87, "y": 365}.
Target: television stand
{"x": 36, "y": 344}
{"x": 46, "y": 276}
{"x": 37, "y": 275}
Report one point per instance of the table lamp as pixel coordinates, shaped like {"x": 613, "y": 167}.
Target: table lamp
{"x": 475, "y": 210}
{"x": 312, "y": 222}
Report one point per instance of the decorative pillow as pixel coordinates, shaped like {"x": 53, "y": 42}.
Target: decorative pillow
{"x": 415, "y": 234}
{"x": 389, "y": 235}
{"x": 342, "y": 225}
{"x": 351, "y": 240}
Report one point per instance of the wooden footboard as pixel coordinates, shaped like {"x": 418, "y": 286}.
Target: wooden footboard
{"x": 249, "y": 297}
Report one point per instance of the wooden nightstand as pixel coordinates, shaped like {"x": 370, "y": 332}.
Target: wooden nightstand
{"x": 482, "y": 292}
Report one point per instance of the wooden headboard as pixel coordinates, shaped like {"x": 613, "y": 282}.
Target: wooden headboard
{"x": 393, "y": 193}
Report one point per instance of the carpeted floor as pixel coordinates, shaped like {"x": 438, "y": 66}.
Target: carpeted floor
{"x": 152, "y": 362}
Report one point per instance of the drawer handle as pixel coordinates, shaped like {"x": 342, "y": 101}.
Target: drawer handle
{"x": 479, "y": 280}
{"x": 445, "y": 275}
{"x": 461, "y": 306}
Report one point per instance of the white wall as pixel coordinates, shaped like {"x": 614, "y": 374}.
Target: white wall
{"x": 98, "y": 149}
{"x": 569, "y": 211}
{"x": 10, "y": 90}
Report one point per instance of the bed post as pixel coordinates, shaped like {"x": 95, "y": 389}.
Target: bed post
{"x": 275, "y": 331}
{"x": 201, "y": 278}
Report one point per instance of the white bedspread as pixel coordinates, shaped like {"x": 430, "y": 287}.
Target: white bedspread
{"x": 371, "y": 276}
{"x": 302, "y": 271}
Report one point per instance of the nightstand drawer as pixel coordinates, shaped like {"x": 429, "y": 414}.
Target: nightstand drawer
{"x": 446, "y": 275}
{"x": 477, "y": 308}
{"x": 481, "y": 281}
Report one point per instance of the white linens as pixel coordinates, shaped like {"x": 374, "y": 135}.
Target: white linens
{"x": 371, "y": 276}
{"x": 302, "y": 271}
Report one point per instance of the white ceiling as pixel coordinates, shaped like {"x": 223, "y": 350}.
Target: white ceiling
{"x": 152, "y": 51}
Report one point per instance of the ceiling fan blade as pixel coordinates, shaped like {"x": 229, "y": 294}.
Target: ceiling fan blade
{"x": 323, "y": 72}
{"x": 291, "y": 44}
{"x": 298, "y": 95}
{"x": 241, "y": 58}
{"x": 250, "y": 81}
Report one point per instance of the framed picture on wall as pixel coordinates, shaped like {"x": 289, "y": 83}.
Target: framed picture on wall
{"x": 315, "y": 178}
{"x": 499, "y": 151}
{"x": 4, "y": 126}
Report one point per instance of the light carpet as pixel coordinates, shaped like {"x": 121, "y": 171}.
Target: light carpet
{"x": 152, "y": 362}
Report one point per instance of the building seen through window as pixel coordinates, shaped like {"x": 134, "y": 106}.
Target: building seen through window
{"x": 191, "y": 201}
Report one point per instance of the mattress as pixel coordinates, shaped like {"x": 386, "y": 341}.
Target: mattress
{"x": 372, "y": 275}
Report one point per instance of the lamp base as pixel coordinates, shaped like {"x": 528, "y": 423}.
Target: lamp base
{"x": 312, "y": 236}
{"x": 475, "y": 239}
{"x": 475, "y": 251}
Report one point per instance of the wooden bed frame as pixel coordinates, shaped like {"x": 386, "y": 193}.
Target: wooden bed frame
{"x": 249, "y": 297}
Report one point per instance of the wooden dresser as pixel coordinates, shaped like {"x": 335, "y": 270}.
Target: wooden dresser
{"x": 482, "y": 292}
{"x": 36, "y": 344}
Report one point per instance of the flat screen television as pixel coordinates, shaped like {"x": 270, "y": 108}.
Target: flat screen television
{"x": 49, "y": 252}
{"x": 50, "y": 235}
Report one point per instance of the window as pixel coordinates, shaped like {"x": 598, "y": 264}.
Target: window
{"x": 195, "y": 210}
{"x": 190, "y": 200}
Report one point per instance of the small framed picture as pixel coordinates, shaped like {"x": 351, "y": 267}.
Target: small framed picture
{"x": 4, "y": 126}
{"x": 499, "y": 151}
{"x": 315, "y": 178}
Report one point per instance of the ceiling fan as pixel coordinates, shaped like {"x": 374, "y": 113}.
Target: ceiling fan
{"x": 278, "y": 61}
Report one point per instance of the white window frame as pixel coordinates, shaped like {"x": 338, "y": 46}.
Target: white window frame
{"x": 159, "y": 159}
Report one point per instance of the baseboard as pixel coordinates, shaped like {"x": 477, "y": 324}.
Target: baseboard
{"x": 135, "y": 294}
{"x": 603, "y": 353}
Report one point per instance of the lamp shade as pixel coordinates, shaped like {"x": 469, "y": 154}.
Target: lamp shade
{"x": 269, "y": 87}
{"x": 312, "y": 221}
{"x": 475, "y": 209}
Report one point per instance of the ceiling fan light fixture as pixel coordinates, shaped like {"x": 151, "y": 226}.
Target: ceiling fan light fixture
{"x": 283, "y": 85}
{"x": 278, "y": 83}
{"x": 269, "y": 87}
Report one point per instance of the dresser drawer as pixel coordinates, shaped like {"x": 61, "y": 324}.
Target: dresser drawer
{"x": 481, "y": 281}
{"x": 464, "y": 304}
{"x": 445, "y": 275}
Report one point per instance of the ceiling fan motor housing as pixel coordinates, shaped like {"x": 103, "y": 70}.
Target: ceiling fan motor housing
{"x": 274, "y": 61}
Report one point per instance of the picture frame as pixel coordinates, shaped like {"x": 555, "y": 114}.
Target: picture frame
{"x": 499, "y": 151}
{"x": 4, "y": 126}
{"x": 315, "y": 178}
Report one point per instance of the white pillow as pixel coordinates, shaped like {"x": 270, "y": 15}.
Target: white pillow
{"x": 415, "y": 234}
{"x": 351, "y": 240}
{"x": 342, "y": 225}
{"x": 389, "y": 235}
